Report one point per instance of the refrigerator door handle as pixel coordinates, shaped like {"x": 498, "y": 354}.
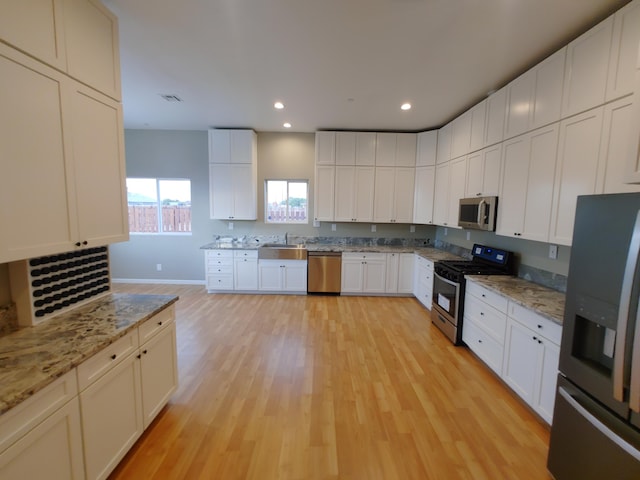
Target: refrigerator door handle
{"x": 619, "y": 441}
{"x": 634, "y": 389}
{"x": 623, "y": 312}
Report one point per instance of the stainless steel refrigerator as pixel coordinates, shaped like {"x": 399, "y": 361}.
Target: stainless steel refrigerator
{"x": 596, "y": 422}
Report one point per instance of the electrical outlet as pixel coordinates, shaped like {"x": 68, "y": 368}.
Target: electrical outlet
{"x": 553, "y": 251}
{"x": 230, "y": 225}
{"x": 373, "y": 228}
{"x": 446, "y": 231}
{"x": 159, "y": 267}
{"x": 316, "y": 223}
{"x": 468, "y": 236}
{"x": 412, "y": 229}
{"x": 333, "y": 227}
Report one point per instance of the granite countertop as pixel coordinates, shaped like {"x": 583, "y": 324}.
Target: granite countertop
{"x": 545, "y": 301}
{"x": 33, "y": 357}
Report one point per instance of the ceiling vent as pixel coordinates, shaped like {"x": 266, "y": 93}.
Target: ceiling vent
{"x": 171, "y": 98}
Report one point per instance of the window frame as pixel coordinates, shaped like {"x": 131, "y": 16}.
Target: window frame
{"x": 266, "y": 203}
{"x": 158, "y": 205}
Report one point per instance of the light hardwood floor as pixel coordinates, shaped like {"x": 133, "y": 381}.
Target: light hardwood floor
{"x": 318, "y": 387}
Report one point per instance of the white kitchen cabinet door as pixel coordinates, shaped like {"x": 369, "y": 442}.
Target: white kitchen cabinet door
{"x": 478, "y": 120}
{"x": 423, "y": 280}
{"x": 586, "y": 69}
{"x": 112, "y": 417}
{"x": 546, "y": 103}
{"x": 364, "y": 193}
{"x": 519, "y": 95}
{"x": 457, "y": 184}
{"x": 404, "y": 183}
{"x": 547, "y": 379}
{"x": 355, "y": 148}
{"x": 365, "y": 149}
{"x": 406, "y": 267}
{"x": 441, "y": 195}
{"x": 393, "y": 265}
{"x": 352, "y": 274}
{"x": 159, "y": 371}
{"x": 483, "y": 172}
{"x": 270, "y": 275}
{"x": 427, "y": 148}
{"x": 483, "y": 345}
{"x": 325, "y": 148}
{"x": 577, "y": 170}
{"x": 36, "y": 28}
{"x": 520, "y": 367}
{"x": 93, "y": 50}
{"x": 99, "y": 168}
{"x": 233, "y": 191}
{"x": 624, "y": 51}
{"x": 354, "y": 194}
{"x": 383, "y": 202}
{"x": 345, "y": 148}
{"x": 513, "y": 186}
{"x": 386, "y": 144}
{"x": 496, "y": 111}
{"x": 219, "y": 146}
{"x": 615, "y": 154}
{"x": 374, "y": 273}
{"x": 461, "y": 135}
{"x": 50, "y": 451}
{"x": 443, "y": 150}
{"x": 245, "y": 274}
{"x": 324, "y": 192}
{"x": 406, "y": 145}
{"x": 294, "y": 276}
{"x": 423, "y": 203}
{"x": 35, "y": 174}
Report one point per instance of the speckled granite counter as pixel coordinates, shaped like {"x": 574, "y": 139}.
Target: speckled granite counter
{"x": 33, "y": 357}
{"x": 548, "y": 303}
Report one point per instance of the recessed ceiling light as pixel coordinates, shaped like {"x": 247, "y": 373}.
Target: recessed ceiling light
{"x": 286, "y": 125}
{"x": 405, "y": 106}
{"x": 278, "y": 105}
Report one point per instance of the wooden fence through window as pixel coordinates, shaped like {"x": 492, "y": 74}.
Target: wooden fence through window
{"x": 144, "y": 219}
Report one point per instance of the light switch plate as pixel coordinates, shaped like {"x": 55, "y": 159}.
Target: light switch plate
{"x": 333, "y": 227}
{"x": 553, "y": 251}
{"x": 230, "y": 225}
{"x": 316, "y": 223}
{"x": 373, "y": 228}
{"x": 412, "y": 229}
{"x": 468, "y": 236}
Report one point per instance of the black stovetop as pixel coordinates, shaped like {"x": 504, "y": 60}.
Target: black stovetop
{"x": 486, "y": 261}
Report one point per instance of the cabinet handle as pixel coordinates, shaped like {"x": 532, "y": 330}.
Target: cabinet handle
{"x": 85, "y": 243}
{"x": 160, "y": 324}
{"x": 138, "y": 356}
{"x": 479, "y": 341}
{"x": 482, "y": 314}
{"x": 77, "y": 244}
{"x": 144, "y": 351}
{"x": 539, "y": 326}
{"x": 113, "y": 357}
{"x": 483, "y": 295}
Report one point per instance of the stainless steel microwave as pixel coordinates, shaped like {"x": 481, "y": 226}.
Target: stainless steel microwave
{"x": 478, "y": 213}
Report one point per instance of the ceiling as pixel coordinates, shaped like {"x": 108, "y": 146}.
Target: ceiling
{"x": 335, "y": 64}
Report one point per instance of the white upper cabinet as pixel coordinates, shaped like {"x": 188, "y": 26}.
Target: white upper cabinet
{"x": 354, "y": 187}
{"x": 519, "y": 93}
{"x": 496, "y": 110}
{"x": 36, "y": 28}
{"x": 457, "y": 183}
{"x": 576, "y": 171}
{"x": 586, "y": 69}
{"x": 427, "y": 148}
{"x": 478, "y": 121}
{"x": 325, "y": 148}
{"x": 443, "y": 154}
{"x": 395, "y": 149}
{"x": 624, "y": 51}
{"x": 632, "y": 174}
{"x": 324, "y": 189}
{"x": 394, "y": 188}
{"x": 441, "y": 195}
{"x": 614, "y": 152}
{"x": 461, "y": 135}
{"x": 483, "y": 172}
{"x": 93, "y": 51}
{"x": 356, "y": 148}
{"x": 232, "y": 146}
{"x": 423, "y": 199}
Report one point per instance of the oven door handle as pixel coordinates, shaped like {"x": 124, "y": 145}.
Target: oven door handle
{"x": 453, "y": 284}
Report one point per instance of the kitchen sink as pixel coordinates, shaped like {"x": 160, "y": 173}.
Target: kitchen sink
{"x": 281, "y": 251}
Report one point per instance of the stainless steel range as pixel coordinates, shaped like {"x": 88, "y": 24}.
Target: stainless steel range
{"x": 449, "y": 285}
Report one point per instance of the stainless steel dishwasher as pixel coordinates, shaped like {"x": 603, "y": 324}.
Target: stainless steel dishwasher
{"x": 324, "y": 272}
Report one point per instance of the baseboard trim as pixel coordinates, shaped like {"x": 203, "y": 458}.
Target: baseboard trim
{"x": 158, "y": 281}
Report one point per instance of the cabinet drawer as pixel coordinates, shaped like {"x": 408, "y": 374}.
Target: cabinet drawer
{"x": 19, "y": 420}
{"x": 245, "y": 254}
{"x": 483, "y": 345}
{"x": 536, "y": 322}
{"x": 156, "y": 323}
{"x": 424, "y": 263}
{"x": 91, "y": 370}
{"x": 495, "y": 300}
{"x": 220, "y": 269}
{"x": 365, "y": 256}
{"x": 492, "y": 321}
{"x": 219, "y": 254}
{"x": 220, "y": 282}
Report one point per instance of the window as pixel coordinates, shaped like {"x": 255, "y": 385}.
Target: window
{"x": 159, "y": 205}
{"x": 286, "y": 201}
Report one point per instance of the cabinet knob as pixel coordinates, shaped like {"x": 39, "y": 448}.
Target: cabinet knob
{"x": 479, "y": 341}
{"x": 113, "y": 357}
{"x": 77, "y": 244}
{"x": 160, "y": 324}
{"x": 144, "y": 351}
{"x": 539, "y": 326}
{"x": 85, "y": 243}
{"x": 482, "y": 314}
{"x": 535, "y": 338}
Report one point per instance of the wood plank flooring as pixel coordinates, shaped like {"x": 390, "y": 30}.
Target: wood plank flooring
{"x": 276, "y": 387}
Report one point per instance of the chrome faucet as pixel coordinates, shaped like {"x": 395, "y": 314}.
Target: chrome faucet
{"x": 286, "y": 241}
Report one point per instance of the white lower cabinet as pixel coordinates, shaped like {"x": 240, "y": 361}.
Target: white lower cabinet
{"x": 399, "y": 273}
{"x": 245, "y": 270}
{"x": 516, "y": 343}
{"x": 218, "y": 267}
{"x": 423, "y": 280}
{"x": 42, "y": 437}
{"x": 282, "y": 276}
{"x": 364, "y": 273}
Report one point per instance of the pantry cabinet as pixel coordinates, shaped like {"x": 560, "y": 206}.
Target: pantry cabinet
{"x": 70, "y": 183}
{"x": 354, "y": 191}
{"x": 576, "y": 171}
{"x": 526, "y": 189}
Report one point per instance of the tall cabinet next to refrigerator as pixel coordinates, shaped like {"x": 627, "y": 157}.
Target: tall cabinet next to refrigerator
{"x": 596, "y": 422}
